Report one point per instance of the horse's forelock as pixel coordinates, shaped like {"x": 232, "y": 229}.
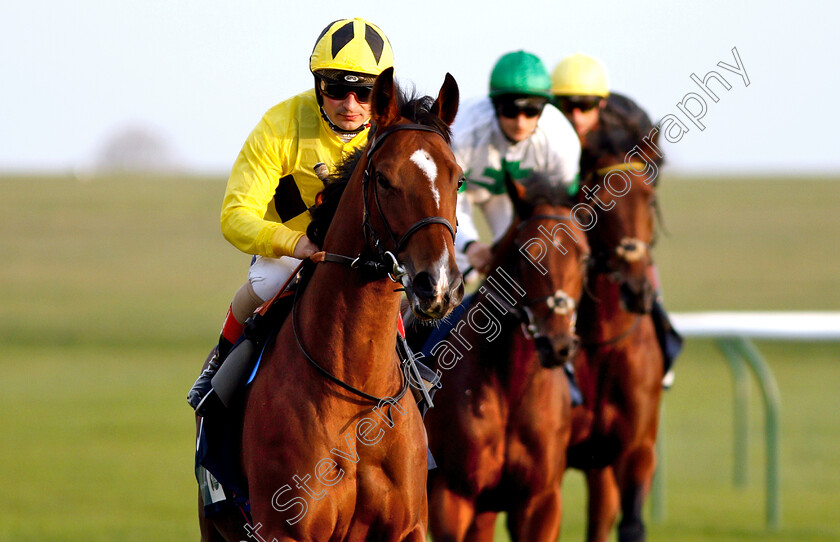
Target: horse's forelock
{"x": 417, "y": 109}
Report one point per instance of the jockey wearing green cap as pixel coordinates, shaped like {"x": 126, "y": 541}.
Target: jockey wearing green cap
{"x": 512, "y": 133}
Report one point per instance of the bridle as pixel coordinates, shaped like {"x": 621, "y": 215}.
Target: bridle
{"x": 373, "y": 240}
{"x": 629, "y": 249}
{"x": 384, "y": 261}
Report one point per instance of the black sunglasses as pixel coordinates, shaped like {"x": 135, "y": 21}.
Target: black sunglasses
{"x": 510, "y": 110}
{"x": 339, "y": 91}
{"x": 567, "y": 104}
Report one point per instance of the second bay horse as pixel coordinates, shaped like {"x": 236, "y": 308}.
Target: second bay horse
{"x": 501, "y": 421}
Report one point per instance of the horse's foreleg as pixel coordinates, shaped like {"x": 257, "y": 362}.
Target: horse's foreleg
{"x": 538, "y": 519}
{"x": 634, "y": 478}
{"x": 603, "y": 504}
{"x": 483, "y": 527}
{"x": 450, "y": 514}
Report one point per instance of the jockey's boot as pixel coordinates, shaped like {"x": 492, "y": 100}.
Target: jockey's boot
{"x": 203, "y": 385}
{"x": 229, "y": 379}
{"x": 231, "y": 331}
{"x": 670, "y": 341}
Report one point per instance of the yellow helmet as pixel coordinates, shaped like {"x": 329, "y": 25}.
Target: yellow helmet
{"x": 580, "y": 75}
{"x": 351, "y": 45}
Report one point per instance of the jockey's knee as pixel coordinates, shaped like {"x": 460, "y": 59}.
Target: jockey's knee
{"x": 267, "y": 275}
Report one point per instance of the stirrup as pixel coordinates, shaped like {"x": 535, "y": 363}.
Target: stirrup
{"x": 210, "y": 404}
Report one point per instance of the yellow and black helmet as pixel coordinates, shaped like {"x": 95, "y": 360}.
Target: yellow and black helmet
{"x": 353, "y": 47}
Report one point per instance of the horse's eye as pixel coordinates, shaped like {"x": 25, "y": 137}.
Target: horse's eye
{"x": 462, "y": 182}
{"x": 382, "y": 181}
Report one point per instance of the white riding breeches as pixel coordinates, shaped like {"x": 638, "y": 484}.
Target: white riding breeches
{"x": 267, "y": 275}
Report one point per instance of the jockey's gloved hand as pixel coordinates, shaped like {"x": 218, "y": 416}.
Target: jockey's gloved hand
{"x": 480, "y": 256}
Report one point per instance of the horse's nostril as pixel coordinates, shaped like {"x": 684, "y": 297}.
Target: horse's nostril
{"x": 568, "y": 348}
{"x": 457, "y": 291}
{"x": 423, "y": 285}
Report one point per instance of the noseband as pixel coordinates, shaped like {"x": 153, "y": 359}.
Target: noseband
{"x": 389, "y": 257}
{"x": 629, "y": 249}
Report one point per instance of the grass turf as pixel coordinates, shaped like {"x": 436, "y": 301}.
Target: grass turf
{"x": 113, "y": 291}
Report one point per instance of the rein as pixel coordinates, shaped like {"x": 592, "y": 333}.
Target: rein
{"x": 621, "y": 336}
{"x": 332, "y": 378}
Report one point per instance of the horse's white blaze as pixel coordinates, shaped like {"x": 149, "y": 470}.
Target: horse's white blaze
{"x": 442, "y": 266}
{"x": 427, "y": 165}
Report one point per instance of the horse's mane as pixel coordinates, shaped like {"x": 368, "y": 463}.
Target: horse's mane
{"x": 622, "y": 126}
{"x": 416, "y": 109}
{"x": 539, "y": 189}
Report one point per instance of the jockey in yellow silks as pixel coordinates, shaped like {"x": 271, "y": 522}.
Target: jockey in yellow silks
{"x": 274, "y": 181}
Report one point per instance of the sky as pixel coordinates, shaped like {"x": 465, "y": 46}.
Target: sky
{"x": 199, "y": 75}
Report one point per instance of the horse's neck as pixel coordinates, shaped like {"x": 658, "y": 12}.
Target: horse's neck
{"x": 349, "y": 326}
{"x": 510, "y": 358}
{"x": 602, "y": 315}
{"x": 348, "y": 323}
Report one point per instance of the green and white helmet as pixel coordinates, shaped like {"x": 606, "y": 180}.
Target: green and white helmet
{"x": 520, "y": 73}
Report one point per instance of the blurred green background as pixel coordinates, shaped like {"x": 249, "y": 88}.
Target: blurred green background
{"x": 113, "y": 290}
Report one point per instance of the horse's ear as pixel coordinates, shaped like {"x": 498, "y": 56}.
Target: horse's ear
{"x": 516, "y": 191}
{"x": 384, "y": 110}
{"x": 446, "y": 105}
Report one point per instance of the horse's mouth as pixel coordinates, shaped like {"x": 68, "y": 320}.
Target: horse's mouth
{"x": 637, "y": 299}
{"x": 556, "y": 353}
{"x": 429, "y": 305}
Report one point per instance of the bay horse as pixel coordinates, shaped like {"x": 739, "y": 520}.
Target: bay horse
{"x": 501, "y": 422}
{"x": 333, "y": 448}
{"x": 620, "y": 367}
